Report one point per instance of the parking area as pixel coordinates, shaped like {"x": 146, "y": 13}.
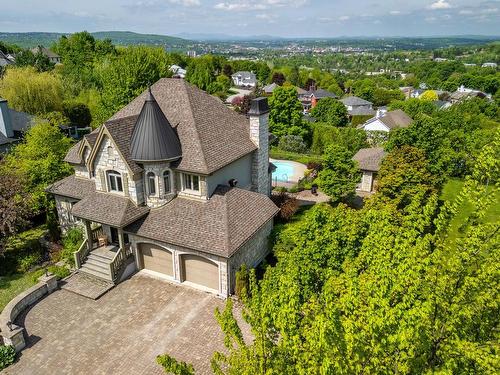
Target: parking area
{"x": 122, "y": 332}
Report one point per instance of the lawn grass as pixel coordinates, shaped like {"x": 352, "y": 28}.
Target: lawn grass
{"x": 11, "y": 286}
{"x": 450, "y": 190}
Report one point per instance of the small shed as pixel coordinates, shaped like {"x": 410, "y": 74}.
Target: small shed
{"x": 369, "y": 161}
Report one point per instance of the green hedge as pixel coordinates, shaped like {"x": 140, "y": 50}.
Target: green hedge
{"x": 276, "y": 153}
{"x": 7, "y": 356}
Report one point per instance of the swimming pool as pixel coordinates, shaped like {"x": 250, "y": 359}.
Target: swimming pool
{"x": 287, "y": 171}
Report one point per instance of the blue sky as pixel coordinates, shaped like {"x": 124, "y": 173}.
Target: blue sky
{"x": 290, "y": 18}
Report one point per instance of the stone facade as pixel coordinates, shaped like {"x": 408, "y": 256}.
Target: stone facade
{"x": 259, "y": 133}
{"x": 251, "y": 253}
{"x": 108, "y": 158}
{"x": 160, "y": 197}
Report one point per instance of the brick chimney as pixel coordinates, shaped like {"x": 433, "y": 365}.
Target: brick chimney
{"x": 259, "y": 134}
{"x": 5, "y": 120}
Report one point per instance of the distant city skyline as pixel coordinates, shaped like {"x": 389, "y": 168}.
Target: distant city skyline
{"x": 281, "y": 18}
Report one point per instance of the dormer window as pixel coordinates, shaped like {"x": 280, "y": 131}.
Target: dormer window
{"x": 151, "y": 181}
{"x": 191, "y": 182}
{"x": 115, "y": 181}
{"x": 167, "y": 182}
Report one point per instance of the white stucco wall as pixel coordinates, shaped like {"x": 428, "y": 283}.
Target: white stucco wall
{"x": 241, "y": 170}
{"x": 376, "y": 125}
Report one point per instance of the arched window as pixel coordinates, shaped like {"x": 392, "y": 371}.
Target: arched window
{"x": 150, "y": 177}
{"x": 167, "y": 182}
{"x": 114, "y": 181}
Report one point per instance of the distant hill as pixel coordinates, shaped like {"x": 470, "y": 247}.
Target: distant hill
{"x": 124, "y": 38}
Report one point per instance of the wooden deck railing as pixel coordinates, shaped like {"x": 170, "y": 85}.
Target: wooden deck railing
{"x": 81, "y": 254}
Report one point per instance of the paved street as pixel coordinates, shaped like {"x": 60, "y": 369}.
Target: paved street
{"x": 122, "y": 332}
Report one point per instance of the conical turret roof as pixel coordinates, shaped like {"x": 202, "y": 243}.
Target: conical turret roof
{"x": 153, "y": 138}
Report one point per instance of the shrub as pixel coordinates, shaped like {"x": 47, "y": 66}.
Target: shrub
{"x": 172, "y": 366}
{"x": 7, "y": 356}
{"x": 25, "y": 263}
{"x": 60, "y": 271}
{"x": 22, "y": 251}
{"x": 314, "y": 166}
{"x": 72, "y": 240}
{"x": 242, "y": 282}
{"x": 288, "y": 209}
{"x": 292, "y": 143}
{"x": 77, "y": 113}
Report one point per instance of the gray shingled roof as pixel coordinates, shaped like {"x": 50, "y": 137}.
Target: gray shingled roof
{"x": 153, "y": 138}
{"x": 109, "y": 209}
{"x": 396, "y": 119}
{"x": 73, "y": 155}
{"x": 354, "y": 100}
{"x": 361, "y": 111}
{"x": 72, "y": 187}
{"x": 211, "y": 134}
{"x": 218, "y": 226}
{"x": 321, "y": 93}
{"x": 370, "y": 159}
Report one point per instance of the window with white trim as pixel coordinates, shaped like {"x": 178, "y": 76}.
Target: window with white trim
{"x": 114, "y": 181}
{"x": 191, "y": 182}
{"x": 150, "y": 177}
{"x": 167, "y": 184}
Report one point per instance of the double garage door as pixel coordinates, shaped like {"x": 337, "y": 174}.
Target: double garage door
{"x": 194, "y": 269}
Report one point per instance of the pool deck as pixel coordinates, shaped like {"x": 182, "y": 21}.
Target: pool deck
{"x": 298, "y": 169}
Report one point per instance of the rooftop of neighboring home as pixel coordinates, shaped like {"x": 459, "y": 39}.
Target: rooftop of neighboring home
{"x": 45, "y": 51}
{"x": 355, "y": 101}
{"x": 370, "y": 159}
{"x": 244, "y": 74}
{"x": 321, "y": 93}
{"x": 392, "y": 119}
{"x": 4, "y": 60}
{"x": 12, "y": 123}
{"x": 270, "y": 88}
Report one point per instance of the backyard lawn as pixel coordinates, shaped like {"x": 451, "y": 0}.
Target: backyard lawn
{"x": 11, "y": 286}
{"x": 449, "y": 193}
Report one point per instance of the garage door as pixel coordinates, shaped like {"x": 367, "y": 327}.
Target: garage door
{"x": 156, "y": 259}
{"x": 200, "y": 271}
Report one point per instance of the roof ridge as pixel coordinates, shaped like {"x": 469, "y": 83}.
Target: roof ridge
{"x": 188, "y": 89}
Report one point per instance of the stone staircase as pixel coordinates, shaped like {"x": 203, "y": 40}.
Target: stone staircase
{"x": 98, "y": 263}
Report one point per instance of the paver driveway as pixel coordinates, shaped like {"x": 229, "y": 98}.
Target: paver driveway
{"x": 122, "y": 332}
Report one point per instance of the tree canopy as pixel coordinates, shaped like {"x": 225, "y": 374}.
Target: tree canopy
{"x": 330, "y": 111}
{"x": 285, "y": 115}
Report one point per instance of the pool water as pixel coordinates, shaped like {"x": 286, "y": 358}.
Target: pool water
{"x": 284, "y": 172}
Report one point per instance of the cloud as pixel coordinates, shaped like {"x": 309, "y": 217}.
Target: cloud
{"x": 243, "y": 5}
{"x": 344, "y": 18}
{"x": 440, "y": 4}
{"x": 395, "y": 12}
{"x": 186, "y": 3}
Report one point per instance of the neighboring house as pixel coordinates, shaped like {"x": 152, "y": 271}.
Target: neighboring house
{"x": 53, "y": 57}
{"x": 369, "y": 161}
{"x": 5, "y": 60}
{"x": 310, "y": 98}
{"x": 13, "y": 124}
{"x": 244, "y": 78}
{"x": 464, "y": 93}
{"x": 357, "y": 106}
{"x": 269, "y": 89}
{"x": 178, "y": 71}
{"x": 176, "y": 182}
{"x": 489, "y": 65}
{"x": 387, "y": 121}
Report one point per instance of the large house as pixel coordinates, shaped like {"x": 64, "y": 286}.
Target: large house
{"x": 176, "y": 182}
{"x": 357, "y": 107}
{"x": 387, "y": 121}
{"x": 244, "y": 79}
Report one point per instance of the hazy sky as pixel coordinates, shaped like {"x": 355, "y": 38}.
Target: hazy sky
{"x": 293, "y": 18}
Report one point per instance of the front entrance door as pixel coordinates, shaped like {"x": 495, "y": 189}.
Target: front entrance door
{"x": 114, "y": 235}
